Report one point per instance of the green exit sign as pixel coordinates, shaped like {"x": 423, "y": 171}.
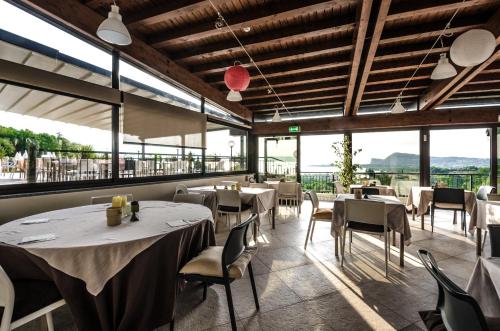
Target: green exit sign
{"x": 294, "y": 128}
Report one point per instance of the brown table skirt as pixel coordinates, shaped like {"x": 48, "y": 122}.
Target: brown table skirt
{"x": 140, "y": 297}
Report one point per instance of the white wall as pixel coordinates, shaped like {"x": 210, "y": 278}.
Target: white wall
{"x": 13, "y": 208}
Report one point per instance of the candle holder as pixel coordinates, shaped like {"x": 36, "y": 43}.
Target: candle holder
{"x": 134, "y": 206}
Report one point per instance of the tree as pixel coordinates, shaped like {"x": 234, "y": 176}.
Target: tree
{"x": 343, "y": 161}
{"x": 6, "y": 148}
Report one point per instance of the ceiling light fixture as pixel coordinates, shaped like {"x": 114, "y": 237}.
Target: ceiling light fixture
{"x": 444, "y": 69}
{"x": 247, "y": 29}
{"x": 472, "y": 47}
{"x": 112, "y": 29}
{"x": 276, "y": 117}
{"x": 398, "y": 108}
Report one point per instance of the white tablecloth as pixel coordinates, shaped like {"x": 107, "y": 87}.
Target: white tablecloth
{"x": 484, "y": 213}
{"x": 421, "y": 197}
{"x": 86, "y": 248}
{"x": 484, "y": 285}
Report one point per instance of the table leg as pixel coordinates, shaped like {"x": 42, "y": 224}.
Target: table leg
{"x": 401, "y": 250}
{"x": 422, "y": 222}
{"x": 255, "y": 232}
{"x": 336, "y": 244}
{"x": 412, "y": 212}
{"x": 274, "y": 217}
{"x": 478, "y": 241}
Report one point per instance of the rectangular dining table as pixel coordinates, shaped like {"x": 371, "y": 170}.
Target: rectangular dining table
{"x": 397, "y": 220}
{"x": 483, "y": 213}
{"x": 112, "y": 278}
{"x": 420, "y": 197}
{"x": 261, "y": 199}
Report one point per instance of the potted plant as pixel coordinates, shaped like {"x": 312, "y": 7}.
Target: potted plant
{"x": 343, "y": 162}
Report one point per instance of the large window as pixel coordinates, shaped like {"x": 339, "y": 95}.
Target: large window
{"x": 278, "y": 157}
{"x": 226, "y": 148}
{"x": 316, "y": 162}
{"x": 460, "y": 158}
{"x": 389, "y": 158}
{"x": 45, "y": 137}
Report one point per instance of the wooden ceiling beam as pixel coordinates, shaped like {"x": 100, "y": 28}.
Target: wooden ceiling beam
{"x": 314, "y": 87}
{"x": 284, "y": 35}
{"x": 271, "y": 100}
{"x": 84, "y": 20}
{"x": 362, "y": 19}
{"x": 165, "y": 11}
{"x": 370, "y": 54}
{"x": 441, "y": 90}
{"x": 252, "y": 17}
{"x": 441, "y": 118}
{"x": 305, "y": 104}
{"x": 337, "y": 107}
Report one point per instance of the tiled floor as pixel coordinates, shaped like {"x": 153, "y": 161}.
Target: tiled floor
{"x": 307, "y": 290}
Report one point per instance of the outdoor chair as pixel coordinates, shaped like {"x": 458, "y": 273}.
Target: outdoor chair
{"x": 455, "y": 310}
{"x": 483, "y": 191}
{"x": 287, "y": 193}
{"x": 449, "y": 199}
{"x": 223, "y": 265}
{"x": 370, "y": 191}
{"x": 365, "y": 216}
{"x": 229, "y": 203}
{"x": 22, "y": 301}
{"x": 317, "y": 214}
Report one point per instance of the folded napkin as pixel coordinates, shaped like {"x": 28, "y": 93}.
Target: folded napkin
{"x": 37, "y": 238}
{"x": 35, "y": 221}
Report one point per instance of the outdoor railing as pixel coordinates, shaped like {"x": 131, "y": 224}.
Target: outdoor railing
{"x": 69, "y": 165}
{"x": 467, "y": 181}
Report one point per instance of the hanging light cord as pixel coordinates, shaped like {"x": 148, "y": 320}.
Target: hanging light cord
{"x": 219, "y": 14}
{"x": 443, "y": 33}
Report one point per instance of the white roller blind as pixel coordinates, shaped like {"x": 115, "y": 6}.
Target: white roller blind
{"x": 153, "y": 122}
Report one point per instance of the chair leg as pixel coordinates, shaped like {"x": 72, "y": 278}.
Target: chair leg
{"x": 342, "y": 249}
{"x": 205, "y": 286}
{"x": 385, "y": 246}
{"x": 312, "y": 230}
{"x": 308, "y": 231}
{"x": 464, "y": 217}
{"x": 350, "y": 242}
{"x": 254, "y": 288}
{"x": 454, "y": 217}
{"x": 172, "y": 324}
{"x": 230, "y": 305}
{"x": 432, "y": 219}
{"x": 50, "y": 321}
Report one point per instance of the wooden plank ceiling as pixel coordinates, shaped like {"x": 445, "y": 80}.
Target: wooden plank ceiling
{"x": 345, "y": 55}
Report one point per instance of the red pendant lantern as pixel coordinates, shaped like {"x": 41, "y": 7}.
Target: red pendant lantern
{"x": 237, "y": 79}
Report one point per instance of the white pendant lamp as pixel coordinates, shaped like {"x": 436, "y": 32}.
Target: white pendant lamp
{"x": 276, "y": 117}
{"x": 398, "y": 107}
{"x": 234, "y": 96}
{"x": 472, "y": 47}
{"x": 443, "y": 69}
{"x": 112, "y": 29}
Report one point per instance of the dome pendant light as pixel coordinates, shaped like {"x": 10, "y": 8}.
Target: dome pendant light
{"x": 472, "y": 47}
{"x": 398, "y": 107}
{"x": 443, "y": 69}
{"x": 112, "y": 29}
{"x": 234, "y": 96}
{"x": 276, "y": 117}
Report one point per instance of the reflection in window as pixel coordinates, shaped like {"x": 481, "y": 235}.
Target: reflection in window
{"x": 226, "y": 148}
{"x": 67, "y": 139}
{"x": 389, "y": 158}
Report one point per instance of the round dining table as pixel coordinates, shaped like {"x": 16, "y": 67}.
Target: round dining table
{"x": 112, "y": 278}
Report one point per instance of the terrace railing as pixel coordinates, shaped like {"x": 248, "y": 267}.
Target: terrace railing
{"x": 467, "y": 181}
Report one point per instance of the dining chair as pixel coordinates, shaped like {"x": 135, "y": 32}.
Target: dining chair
{"x": 365, "y": 216}
{"x": 483, "y": 191}
{"x": 449, "y": 199}
{"x": 26, "y": 300}
{"x": 229, "y": 203}
{"x": 194, "y": 198}
{"x": 339, "y": 188}
{"x": 493, "y": 197}
{"x": 287, "y": 192}
{"x": 317, "y": 214}
{"x": 108, "y": 198}
{"x": 494, "y": 230}
{"x": 181, "y": 189}
{"x": 458, "y": 310}
{"x": 370, "y": 191}
{"x": 224, "y": 264}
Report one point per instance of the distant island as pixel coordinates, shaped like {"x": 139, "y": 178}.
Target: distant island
{"x": 411, "y": 161}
